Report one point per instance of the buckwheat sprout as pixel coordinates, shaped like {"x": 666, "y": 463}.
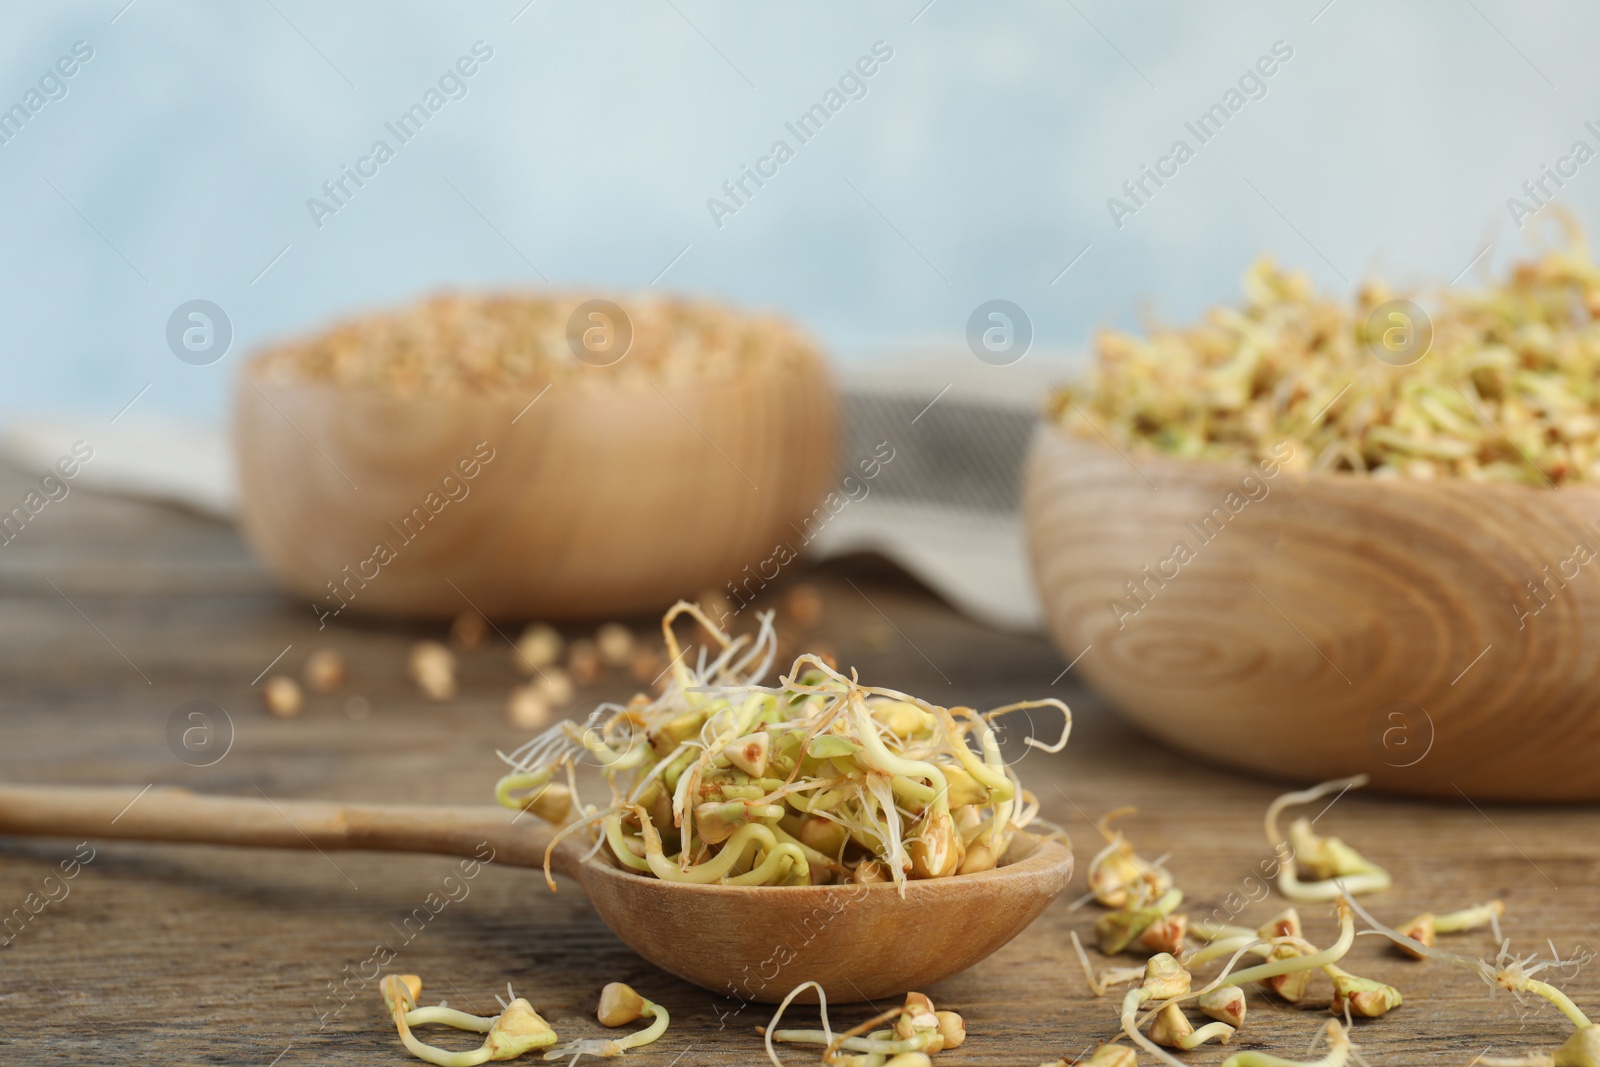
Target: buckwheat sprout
{"x": 1034, "y": 742}
{"x": 517, "y": 1029}
{"x": 1174, "y": 1030}
{"x": 1285, "y": 965}
{"x": 1340, "y": 1052}
{"x": 1364, "y": 997}
{"x": 1116, "y": 930}
{"x": 1165, "y": 980}
{"x": 620, "y": 1005}
{"x": 1223, "y": 938}
{"x": 1513, "y": 974}
{"x": 834, "y": 772}
{"x": 1210, "y": 988}
{"x": 1335, "y": 867}
{"x": 1427, "y": 926}
{"x": 1116, "y": 867}
{"x": 1225, "y": 1005}
{"x": 918, "y": 1031}
{"x": 771, "y": 1028}
{"x": 1099, "y": 984}
{"x": 1308, "y": 962}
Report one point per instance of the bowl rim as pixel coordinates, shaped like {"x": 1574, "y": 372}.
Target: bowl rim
{"x": 1063, "y": 435}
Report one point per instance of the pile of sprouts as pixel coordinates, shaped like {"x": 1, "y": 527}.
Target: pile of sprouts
{"x": 815, "y": 780}
{"x": 1508, "y": 391}
{"x": 1142, "y": 899}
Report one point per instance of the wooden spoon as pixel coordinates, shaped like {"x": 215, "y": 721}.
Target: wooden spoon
{"x": 859, "y": 942}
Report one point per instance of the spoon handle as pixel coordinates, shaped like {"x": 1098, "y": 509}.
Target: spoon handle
{"x": 161, "y": 813}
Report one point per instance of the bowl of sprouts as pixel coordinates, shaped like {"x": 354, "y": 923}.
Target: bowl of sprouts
{"x": 1309, "y": 536}
{"x": 783, "y": 826}
{"x": 552, "y": 456}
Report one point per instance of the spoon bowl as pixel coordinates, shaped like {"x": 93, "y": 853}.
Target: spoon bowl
{"x": 859, "y": 942}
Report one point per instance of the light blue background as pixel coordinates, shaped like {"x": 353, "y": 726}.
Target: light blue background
{"x": 986, "y": 147}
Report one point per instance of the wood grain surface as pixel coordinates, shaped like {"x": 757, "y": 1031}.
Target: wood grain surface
{"x": 601, "y": 495}
{"x": 116, "y": 613}
{"x": 1237, "y": 611}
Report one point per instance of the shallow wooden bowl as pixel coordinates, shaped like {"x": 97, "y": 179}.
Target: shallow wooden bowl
{"x": 605, "y": 497}
{"x": 1320, "y": 625}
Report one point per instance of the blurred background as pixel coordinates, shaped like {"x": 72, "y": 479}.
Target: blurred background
{"x": 975, "y": 163}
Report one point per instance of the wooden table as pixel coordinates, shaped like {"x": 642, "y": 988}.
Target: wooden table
{"x": 116, "y": 612}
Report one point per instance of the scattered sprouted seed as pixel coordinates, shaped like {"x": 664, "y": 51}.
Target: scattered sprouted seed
{"x": 1427, "y": 926}
{"x": 1173, "y": 1029}
{"x": 1286, "y": 965}
{"x": 1340, "y": 1052}
{"x": 1117, "y": 869}
{"x": 816, "y": 780}
{"x": 1291, "y": 987}
{"x": 1116, "y": 930}
{"x": 517, "y": 1029}
{"x": 1226, "y": 1005}
{"x": 1366, "y": 998}
{"x": 1515, "y": 974}
{"x": 1165, "y": 980}
{"x": 1332, "y": 867}
{"x": 620, "y": 1005}
{"x": 1166, "y": 934}
{"x": 918, "y": 1030}
{"x": 433, "y": 668}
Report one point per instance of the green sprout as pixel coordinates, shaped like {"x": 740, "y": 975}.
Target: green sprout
{"x": 517, "y": 1029}
{"x": 1427, "y": 926}
{"x": 1334, "y": 868}
{"x": 918, "y": 1031}
{"x": 620, "y": 1004}
{"x": 1515, "y": 975}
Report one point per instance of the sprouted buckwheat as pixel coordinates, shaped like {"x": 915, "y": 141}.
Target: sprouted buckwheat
{"x": 818, "y": 779}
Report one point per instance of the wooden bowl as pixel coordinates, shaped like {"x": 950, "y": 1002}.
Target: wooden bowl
{"x": 1316, "y": 625}
{"x": 606, "y": 496}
